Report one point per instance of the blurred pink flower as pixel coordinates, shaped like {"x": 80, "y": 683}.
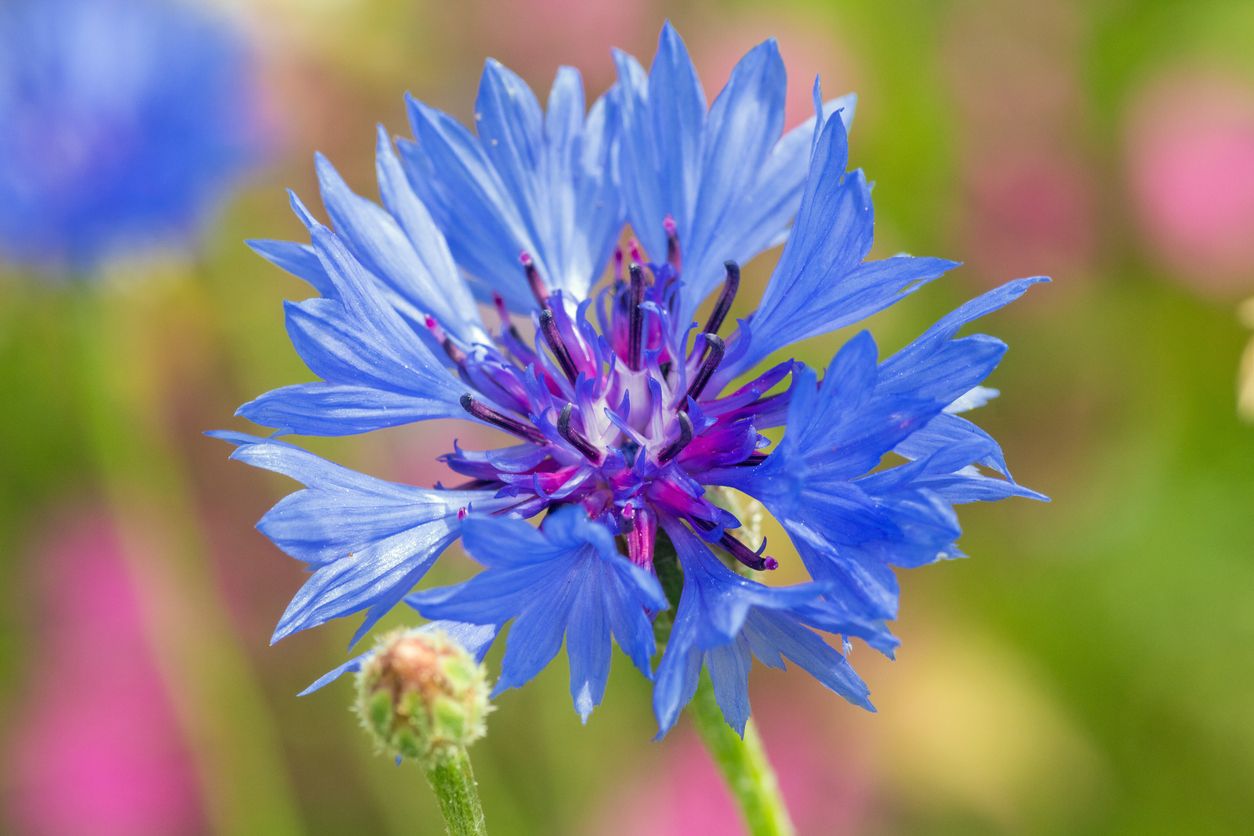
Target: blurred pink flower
{"x": 1030, "y": 210}
{"x": 94, "y": 746}
{"x": 1029, "y": 196}
{"x": 1190, "y": 162}
{"x": 825, "y": 782}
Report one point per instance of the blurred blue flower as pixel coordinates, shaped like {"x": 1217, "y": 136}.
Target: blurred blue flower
{"x": 124, "y": 121}
{"x": 627, "y": 429}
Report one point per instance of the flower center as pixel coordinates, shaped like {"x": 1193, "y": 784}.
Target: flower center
{"x": 620, "y": 418}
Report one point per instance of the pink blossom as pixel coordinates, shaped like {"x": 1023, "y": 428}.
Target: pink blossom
{"x": 94, "y": 746}
{"x": 1190, "y": 164}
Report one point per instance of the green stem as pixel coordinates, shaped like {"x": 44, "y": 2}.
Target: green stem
{"x": 744, "y": 765}
{"x": 453, "y": 780}
{"x": 743, "y": 762}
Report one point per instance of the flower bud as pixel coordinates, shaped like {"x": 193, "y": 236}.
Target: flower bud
{"x": 422, "y": 696}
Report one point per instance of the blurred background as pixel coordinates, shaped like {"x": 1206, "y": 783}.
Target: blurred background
{"x": 1089, "y": 670}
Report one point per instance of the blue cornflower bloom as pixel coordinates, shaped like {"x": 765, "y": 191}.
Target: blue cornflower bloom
{"x": 124, "y": 120}
{"x": 628, "y": 429}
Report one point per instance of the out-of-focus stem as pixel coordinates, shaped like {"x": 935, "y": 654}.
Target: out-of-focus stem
{"x": 744, "y": 765}
{"x": 742, "y": 762}
{"x": 216, "y": 698}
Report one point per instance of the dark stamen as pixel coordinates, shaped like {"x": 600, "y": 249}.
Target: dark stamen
{"x": 685, "y": 438}
{"x": 713, "y": 357}
{"x": 453, "y": 351}
{"x": 548, "y": 327}
{"x": 754, "y": 560}
{"x": 754, "y": 460}
{"x": 721, "y": 308}
{"x": 502, "y": 311}
{"x": 635, "y": 332}
{"x": 618, "y": 264}
{"x": 474, "y": 484}
{"x": 486, "y": 413}
{"x": 574, "y": 437}
{"x": 673, "y": 256}
{"x": 538, "y": 288}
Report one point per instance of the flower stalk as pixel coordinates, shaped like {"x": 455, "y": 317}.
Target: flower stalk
{"x": 744, "y": 766}
{"x": 742, "y": 762}
{"x": 453, "y": 780}
{"x": 423, "y": 697}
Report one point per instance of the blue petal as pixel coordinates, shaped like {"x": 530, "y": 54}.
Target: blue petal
{"x": 852, "y": 575}
{"x": 963, "y": 487}
{"x": 713, "y": 609}
{"x": 301, "y": 260}
{"x": 588, "y": 646}
{"x": 351, "y": 666}
{"x": 436, "y": 285}
{"x": 936, "y": 353}
{"x": 770, "y": 205}
{"x": 781, "y": 633}
{"x": 843, "y": 428}
{"x": 566, "y": 578}
{"x": 510, "y": 124}
{"x": 368, "y": 541}
{"x": 846, "y": 535}
{"x": 831, "y": 201}
{"x": 945, "y": 431}
{"x": 818, "y": 301}
{"x": 832, "y": 614}
{"x": 330, "y": 410}
{"x": 679, "y": 672}
{"x": 729, "y": 180}
{"x": 526, "y": 183}
{"x": 497, "y": 595}
{"x": 456, "y": 182}
{"x": 677, "y": 122}
{"x": 475, "y": 638}
{"x": 663, "y": 118}
{"x": 507, "y": 543}
{"x": 426, "y": 280}
{"x": 743, "y": 126}
{"x": 973, "y": 399}
{"x": 582, "y": 201}
{"x": 851, "y": 528}
{"x": 339, "y": 349}
{"x": 356, "y": 342}
{"x": 536, "y": 636}
{"x": 821, "y": 283}
{"x": 729, "y": 667}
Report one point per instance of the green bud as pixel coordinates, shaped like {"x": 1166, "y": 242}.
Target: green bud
{"x": 421, "y": 696}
